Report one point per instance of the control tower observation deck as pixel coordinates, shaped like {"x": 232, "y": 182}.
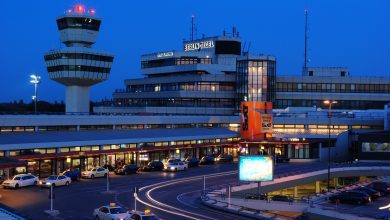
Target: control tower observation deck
{"x": 77, "y": 66}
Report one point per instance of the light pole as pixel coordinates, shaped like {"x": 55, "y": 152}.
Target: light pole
{"x": 35, "y": 79}
{"x": 329, "y": 102}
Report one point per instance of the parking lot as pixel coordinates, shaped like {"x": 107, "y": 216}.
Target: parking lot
{"x": 80, "y": 198}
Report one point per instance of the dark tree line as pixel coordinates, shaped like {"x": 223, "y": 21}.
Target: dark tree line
{"x": 15, "y": 107}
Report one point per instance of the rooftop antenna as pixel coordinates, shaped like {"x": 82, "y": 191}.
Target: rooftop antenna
{"x": 243, "y": 49}
{"x": 249, "y": 47}
{"x": 234, "y": 31}
{"x": 193, "y": 28}
{"x": 306, "y": 36}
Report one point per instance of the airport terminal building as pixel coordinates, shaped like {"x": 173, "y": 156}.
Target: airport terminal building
{"x": 188, "y": 105}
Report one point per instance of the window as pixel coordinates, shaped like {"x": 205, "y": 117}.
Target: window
{"x": 64, "y": 150}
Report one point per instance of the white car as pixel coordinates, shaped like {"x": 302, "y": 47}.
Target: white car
{"x": 55, "y": 180}
{"x": 111, "y": 212}
{"x": 20, "y": 181}
{"x": 147, "y": 215}
{"x": 175, "y": 166}
{"x": 95, "y": 172}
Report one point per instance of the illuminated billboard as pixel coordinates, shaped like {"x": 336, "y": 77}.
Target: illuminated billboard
{"x": 256, "y": 120}
{"x": 256, "y": 168}
{"x": 375, "y": 147}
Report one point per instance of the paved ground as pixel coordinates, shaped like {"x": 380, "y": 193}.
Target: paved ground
{"x": 79, "y": 199}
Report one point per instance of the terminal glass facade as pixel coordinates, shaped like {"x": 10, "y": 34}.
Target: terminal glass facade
{"x": 256, "y": 80}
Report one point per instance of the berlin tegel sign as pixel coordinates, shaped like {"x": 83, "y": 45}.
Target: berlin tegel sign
{"x": 199, "y": 45}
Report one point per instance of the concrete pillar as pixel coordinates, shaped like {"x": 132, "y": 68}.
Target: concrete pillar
{"x": 36, "y": 129}
{"x": 77, "y": 99}
{"x": 137, "y": 158}
{"x": 78, "y": 128}
{"x": 295, "y": 191}
{"x": 318, "y": 187}
{"x": 113, "y": 127}
{"x": 335, "y": 182}
{"x": 7, "y": 153}
{"x": 197, "y": 154}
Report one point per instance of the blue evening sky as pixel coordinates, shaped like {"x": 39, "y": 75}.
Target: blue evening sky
{"x": 354, "y": 34}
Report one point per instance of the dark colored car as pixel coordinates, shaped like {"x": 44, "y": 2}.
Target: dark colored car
{"x": 282, "y": 198}
{"x": 354, "y": 197}
{"x": 382, "y": 187}
{"x": 109, "y": 167}
{"x": 224, "y": 158}
{"x": 192, "y": 162}
{"x": 256, "y": 196}
{"x": 153, "y": 166}
{"x": 74, "y": 175}
{"x": 207, "y": 160}
{"x": 126, "y": 169}
{"x": 371, "y": 192}
{"x": 282, "y": 159}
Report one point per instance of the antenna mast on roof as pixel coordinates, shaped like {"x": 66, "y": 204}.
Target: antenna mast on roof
{"x": 306, "y": 36}
{"x": 193, "y": 28}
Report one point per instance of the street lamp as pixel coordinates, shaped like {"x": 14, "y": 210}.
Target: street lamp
{"x": 329, "y": 102}
{"x": 35, "y": 79}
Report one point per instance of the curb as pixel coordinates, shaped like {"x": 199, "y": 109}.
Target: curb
{"x": 235, "y": 210}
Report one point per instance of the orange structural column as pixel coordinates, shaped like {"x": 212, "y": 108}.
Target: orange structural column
{"x": 256, "y": 120}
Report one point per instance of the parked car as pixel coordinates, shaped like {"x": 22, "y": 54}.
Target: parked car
{"x": 382, "y": 187}
{"x": 175, "y": 166}
{"x": 371, "y": 192}
{"x": 192, "y": 162}
{"x": 172, "y": 160}
{"x": 126, "y": 169}
{"x": 95, "y": 172}
{"x": 109, "y": 167}
{"x": 282, "y": 159}
{"x": 207, "y": 160}
{"x": 55, "y": 180}
{"x": 256, "y": 196}
{"x": 355, "y": 197}
{"x": 224, "y": 158}
{"x": 282, "y": 198}
{"x": 74, "y": 175}
{"x": 109, "y": 212}
{"x": 20, "y": 181}
{"x": 147, "y": 215}
{"x": 153, "y": 166}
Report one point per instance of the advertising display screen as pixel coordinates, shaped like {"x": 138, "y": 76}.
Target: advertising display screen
{"x": 375, "y": 147}
{"x": 256, "y": 168}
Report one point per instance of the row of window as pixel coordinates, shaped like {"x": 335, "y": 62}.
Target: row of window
{"x": 341, "y": 104}
{"x": 332, "y": 87}
{"x": 40, "y": 151}
{"x": 183, "y": 86}
{"x": 167, "y": 102}
{"x": 93, "y": 69}
{"x": 79, "y": 56}
{"x": 78, "y": 23}
{"x": 110, "y": 127}
{"x": 174, "y": 62}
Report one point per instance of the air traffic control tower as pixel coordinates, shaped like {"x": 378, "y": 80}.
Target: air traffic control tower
{"x": 77, "y": 66}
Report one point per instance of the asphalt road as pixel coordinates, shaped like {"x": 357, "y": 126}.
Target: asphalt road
{"x": 78, "y": 200}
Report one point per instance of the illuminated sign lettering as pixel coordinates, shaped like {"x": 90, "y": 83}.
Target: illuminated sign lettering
{"x": 165, "y": 54}
{"x": 199, "y": 45}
